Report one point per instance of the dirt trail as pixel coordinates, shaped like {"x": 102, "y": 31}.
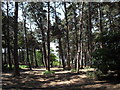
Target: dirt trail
{"x": 61, "y": 80}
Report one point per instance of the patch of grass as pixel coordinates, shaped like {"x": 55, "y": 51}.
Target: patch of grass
{"x": 9, "y": 66}
{"x": 48, "y": 72}
{"x": 20, "y": 66}
{"x": 87, "y": 67}
{"x": 23, "y": 66}
{"x": 73, "y": 70}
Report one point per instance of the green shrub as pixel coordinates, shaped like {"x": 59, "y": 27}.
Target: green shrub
{"x": 48, "y": 72}
{"x": 96, "y": 74}
{"x": 23, "y": 66}
{"x": 56, "y": 63}
{"x": 73, "y": 70}
{"x": 107, "y": 57}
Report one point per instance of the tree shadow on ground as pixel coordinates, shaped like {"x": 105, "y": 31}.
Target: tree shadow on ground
{"x": 66, "y": 81}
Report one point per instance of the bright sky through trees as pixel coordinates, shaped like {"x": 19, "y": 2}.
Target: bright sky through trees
{"x": 52, "y": 44}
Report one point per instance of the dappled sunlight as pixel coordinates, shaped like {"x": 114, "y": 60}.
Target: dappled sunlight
{"x": 35, "y": 79}
{"x": 62, "y": 72}
{"x": 6, "y": 74}
{"x": 89, "y": 69}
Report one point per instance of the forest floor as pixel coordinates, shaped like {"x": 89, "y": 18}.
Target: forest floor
{"x": 61, "y": 80}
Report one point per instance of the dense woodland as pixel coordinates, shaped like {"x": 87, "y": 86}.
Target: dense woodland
{"x": 88, "y": 35}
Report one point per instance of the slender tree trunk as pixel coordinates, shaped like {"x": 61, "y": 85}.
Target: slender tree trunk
{"x": 79, "y": 53}
{"x": 100, "y": 22}
{"x": 5, "y": 57}
{"x": 8, "y": 39}
{"x": 48, "y": 37}
{"x": 100, "y": 18}
{"x": 85, "y": 55}
{"x": 0, "y": 38}
{"x": 89, "y": 31}
{"x": 43, "y": 61}
{"x": 44, "y": 47}
{"x": 36, "y": 63}
{"x": 67, "y": 35}
{"x": 26, "y": 43}
{"x": 16, "y": 64}
{"x": 59, "y": 41}
{"x": 76, "y": 33}
{"x": 31, "y": 57}
{"x": 61, "y": 53}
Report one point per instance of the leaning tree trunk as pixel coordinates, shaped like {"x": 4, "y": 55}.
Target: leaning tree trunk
{"x": 16, "y": 64}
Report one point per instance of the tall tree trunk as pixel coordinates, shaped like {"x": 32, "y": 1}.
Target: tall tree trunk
{"x": 48, "y": 37}
{"x": 8, "y": 38}
{"x": 59, "y": 41}
{"x": 0, "y": 38}
{"x": 67, "y": 35}
{"x": 89, "y": 31}
{"x": 79, "y": 53}
{"x": 16, "y": 64}
{"x": 43, "y": 43}
{"x": 76, "y": 33}
{"x": 26, "y": 43}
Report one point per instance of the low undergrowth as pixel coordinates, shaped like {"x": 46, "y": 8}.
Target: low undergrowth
{"x": 48, "y": 72}
{"x": 95, "y": 75}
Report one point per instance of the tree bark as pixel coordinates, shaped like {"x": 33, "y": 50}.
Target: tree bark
{"x": 44, "y": 47}
{"x": 89, "y": 31}
{"x": 76, "y": 33}
{"x": 48, "y": 37}
{"x": 1, "y": 38}
{"x": 61, "y": 53}
{"x": 100, "y": 22}
{"x": 8, "y": 38}
{"x": 79, "y": 53}
{"x": 67, "y": 35}
{"x": 36, "y": 63}
{"x": 16, "y": 64}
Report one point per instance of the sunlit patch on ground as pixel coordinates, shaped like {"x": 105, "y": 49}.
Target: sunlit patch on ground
{"x": 65, "y": 79}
